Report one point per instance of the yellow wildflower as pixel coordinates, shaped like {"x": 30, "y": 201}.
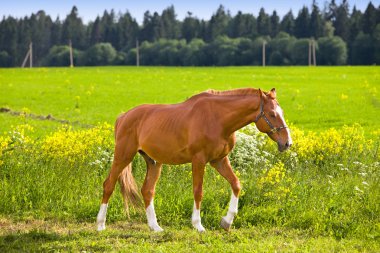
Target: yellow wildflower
{"x": 4, "y": 143}
{"x": 73, "y": 145}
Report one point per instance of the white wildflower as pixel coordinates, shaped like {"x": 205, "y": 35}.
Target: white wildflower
{"x": 358, "y": 189}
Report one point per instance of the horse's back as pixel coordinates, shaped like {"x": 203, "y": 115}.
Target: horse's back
{"x": 171, "y": 134}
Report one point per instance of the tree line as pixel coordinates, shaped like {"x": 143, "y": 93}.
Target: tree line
{"x": 341, "y": 37}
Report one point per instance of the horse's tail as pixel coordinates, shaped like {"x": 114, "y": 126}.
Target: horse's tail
{"x": 129, "y": 188}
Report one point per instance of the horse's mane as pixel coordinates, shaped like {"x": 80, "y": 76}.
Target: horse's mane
{"x": 235, "y": 92}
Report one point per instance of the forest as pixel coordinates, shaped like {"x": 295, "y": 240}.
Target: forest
{"x": 341, "y": 36}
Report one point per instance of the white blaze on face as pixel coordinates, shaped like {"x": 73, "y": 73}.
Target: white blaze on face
{"x": 280, "y": 113}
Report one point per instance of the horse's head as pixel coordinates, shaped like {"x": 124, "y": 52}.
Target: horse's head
{"x": 270, "y": 120}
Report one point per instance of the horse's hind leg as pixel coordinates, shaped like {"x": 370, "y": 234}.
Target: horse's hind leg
{"x": 125, "y": 150}
{"x": 224, "y": 168}
{"x": 148, "y": 190}
{"x": 198, "y": 169}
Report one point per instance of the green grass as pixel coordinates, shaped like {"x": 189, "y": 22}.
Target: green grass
{"x": 312, "y": 98}
{"x": 41, "y": 236}
{"x": 328, "y": 198}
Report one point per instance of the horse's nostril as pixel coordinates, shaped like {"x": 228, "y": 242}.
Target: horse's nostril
{"x": 288, "y": 145}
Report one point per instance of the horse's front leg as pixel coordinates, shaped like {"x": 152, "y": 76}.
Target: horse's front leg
{"x": 224, "y": 168}
{"x": 198, "y": 169}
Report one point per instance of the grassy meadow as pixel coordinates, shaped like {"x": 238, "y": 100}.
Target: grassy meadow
{"x": 312, "y": 98}
{"x": 323, "y": 195}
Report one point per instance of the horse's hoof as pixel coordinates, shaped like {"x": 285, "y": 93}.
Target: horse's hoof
{"x": 156, "y": 228}
{"x": 101, "y": 227}
{"x": 225, "y": 225}
{"x": 198, "y": 226}
{"x": 200, "y": 229}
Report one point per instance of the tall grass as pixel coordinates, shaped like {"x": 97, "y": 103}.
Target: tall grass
{"x": 328, "y": 184}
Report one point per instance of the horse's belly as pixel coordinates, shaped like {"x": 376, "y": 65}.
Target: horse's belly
{"x": 168, "y": 153}
{"x": 165, "y": 155}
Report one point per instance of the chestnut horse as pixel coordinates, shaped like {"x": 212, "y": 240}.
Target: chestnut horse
{"x": 199, "y": 131}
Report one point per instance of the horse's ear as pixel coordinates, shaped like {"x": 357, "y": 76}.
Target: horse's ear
{"x": 260, "y": 92}
{"x": 272, "y": 93}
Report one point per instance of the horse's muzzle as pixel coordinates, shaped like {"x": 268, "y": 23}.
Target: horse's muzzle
{"x": 283, "y": 147}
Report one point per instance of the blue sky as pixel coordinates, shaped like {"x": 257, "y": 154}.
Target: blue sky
{"x": 88, "y": 10}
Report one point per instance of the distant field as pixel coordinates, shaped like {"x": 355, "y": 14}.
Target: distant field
{"x": 312, "y": 98}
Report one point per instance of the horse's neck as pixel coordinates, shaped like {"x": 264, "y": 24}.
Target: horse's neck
{"x": 239, "y": 112}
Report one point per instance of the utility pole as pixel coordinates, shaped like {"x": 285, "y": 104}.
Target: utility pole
{"x": 29, "y": 55}
{"x": 264, "y": 44}
{"x": 312, "y": 55}
{"x": 309, "y": 53}
{"x": 71, "y": 54}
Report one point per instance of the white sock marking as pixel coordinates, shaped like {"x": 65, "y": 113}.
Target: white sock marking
{"x": 232, "y": 210}
{"x": 196, "y": 219}
{"x": 101, "y": 218}
{"x": 152, "y": 219}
